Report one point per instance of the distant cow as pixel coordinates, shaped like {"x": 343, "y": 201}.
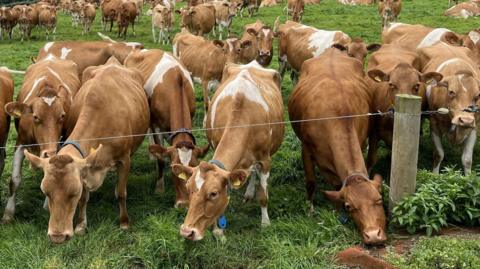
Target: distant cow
{"x": 356, "y": 2}
{"x": 199, "y": 19}
{"x": 295, "y": 9}
{"x": 87, "y": 16}
{"x": 169, "y": 89}
{"x": 268, "y": 3}
{"x": 109, "y": 12}
{"x": 464, "y": 10}
{"x": 27, "y": 20}
{"x": 162, "y": 19}
{"x": 6, "y": 96}
{"x": 249, "y": 95}
{"x": 108, "y": 92}
{"x": 335, "y": 146}
{"x": 224, "y": 13}
{"x": 47, "y": 19}
{"x": 261, "y": 37}
{"x": 127, "y": 12}
{"x": 8, "y": 20}
{"x": 459, "y": 93}
{"x": 389, "y": 11}
{"x": 40, "y": 112}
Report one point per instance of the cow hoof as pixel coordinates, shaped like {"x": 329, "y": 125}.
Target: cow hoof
{"x": 80, "y": 230}
{"x": 7, "y": 219}
{"x": 220, "y": 236}
{"x": 124, "y": 226}
{"x": 265, "y": 224}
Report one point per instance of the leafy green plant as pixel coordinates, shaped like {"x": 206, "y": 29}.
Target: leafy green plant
{"x": 439, "y": 199}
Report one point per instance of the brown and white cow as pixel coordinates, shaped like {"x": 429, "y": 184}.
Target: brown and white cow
{"x": 47, "y": 19}
{"x": 6, "y": 96}
{"x": 261, "y": 37}
{"x": 418, "y": 36}
{"x": 335, "y": 146}
{"x": 8, "y": 20}
{"x": 295, "y": 9}
{"x": 109, "y": 12}
{"x": 88, "y": 53}
{"x": 162, "y": 19}
{"x": 75, "y": 10}
{"x": 126, "y": 15}
{"x": 206, "y": 59}
{"x": 389, "y": 11}
{"x": 109, "y": 92}
{"x": 459, "y": 93}
{"x": 392, "y": 70}
{"x": 169, "y": 89}
{"x": 249, "y": 95}
{"x": 87, "y": 16}
{"x": 199, "y": 19}
{"x": 464, "y": 10}
{"x": 27, "y": 19}
{"x": 40, "y": 110}
{"x": 224, "y": 13}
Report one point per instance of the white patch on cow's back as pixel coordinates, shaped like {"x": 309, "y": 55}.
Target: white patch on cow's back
{"x": 199, "y": 180}
{"x": 256, "y": 65}
{"x": 465, "y": 13}
{"x": 432, "y": 37}
{"x": 50, "y": 57}
{"x": 243, "y": 83}
{"x": 48, "y": 46}
{"x": 65, "y": 52}
{"x": 166, "y": 63}
{"x": 474, "y": 36}
{"x": 185, "y": 155}
{"x": 55, "y": 74}
{"x": 49, "y": 100}
{"x": 35, "y": 84}
{"x": 394, "y": 25}
{"x": 321, "y": 40}
{"x": 132, "y": 44}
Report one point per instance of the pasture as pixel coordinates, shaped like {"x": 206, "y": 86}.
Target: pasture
{"x": 295, "y": 239}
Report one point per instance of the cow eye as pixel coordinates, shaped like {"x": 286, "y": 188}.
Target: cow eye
{"x": 451, "y": 94}
{"x": 348, "y": 207}
{"x": 379, "y": 202}
{"x": 392, "y": 86}
{"x": 212, "y": 195}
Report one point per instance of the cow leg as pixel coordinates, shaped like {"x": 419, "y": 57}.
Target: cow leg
{"x": 438, "y": 152}
{"x": 250, "y": 192}
{"x": 111, "y": 25}
{"x": 282, "y": 65}
{"x": 121, "y": 192}
{"x": 372, "y": 152}
{"x": 54, "y": 32}
{"x": 206, "y": 99}
{"x": 468, "y": 152}
{"x": 294, "y": 76}
{"x": 310, "y": 182}
{"x": 262, "y": 193}
{"x": 153, "y": 33}
{"x": 14, "y": 183}
{"x": 160, "y": 183}
{"x": 82, "y": 213}
{"x": 219, "y": 233}
{"x": 133, "y": 29}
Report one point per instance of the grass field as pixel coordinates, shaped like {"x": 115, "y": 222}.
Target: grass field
{"x": 294, "y": 240}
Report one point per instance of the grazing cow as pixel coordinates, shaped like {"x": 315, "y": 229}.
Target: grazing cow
{"x": 109, "y": 12}
{"x": 268, "y": 3}
{"x": 40, "y": 110}
{"x": 295, "y": 9}
{"x": 87, "y": 16}
{"x": 8, "y": 20}
{"x": 163, "y": 19}
{"x": 356, "y": 2}
{"x": 418, "y": 36}
{"x": 392, "y": 70}
{"x": 199, "y": 19}
{"x": 389, "y": 10}
{"x": 464, "y": 10}
{"x": 6, "y": 96}
{"x": 261, "y": 37}
{"x": 27, "y": 20}
{"x": 47, "y": 19}
{"x": 459, "y": 93}
{"x": 88, "y": 53}
{"x": 109, "y": 92}
{"x": 127, "y": 12}
{"x": 169, "y": 89}
{"x": 335, "y": 146}
{"x": 206, "y": 59}
{"x": 249, "y": 95}
{"x": 224, "y": 14}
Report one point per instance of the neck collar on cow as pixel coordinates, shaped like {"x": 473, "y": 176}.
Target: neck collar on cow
{"x": 218, "y": 164}
{"x": 356, "y": 174}
{"x": 75, "y": 144}
{"x": 181, "y": 131}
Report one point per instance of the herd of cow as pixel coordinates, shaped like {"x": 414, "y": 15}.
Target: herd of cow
{"x": 101, "y": 98}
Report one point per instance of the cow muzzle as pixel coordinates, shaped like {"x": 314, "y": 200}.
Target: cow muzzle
{"x": 190, "y": 233}
{"x": 466, "y": 121}
{"x": 374, "y": 237}
{"x": 59, "y": 238}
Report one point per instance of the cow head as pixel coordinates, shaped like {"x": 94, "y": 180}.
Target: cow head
{"x": 208, "y": 187}
{"x": 358, "y": 49}
{"x": 404, "y": 79}
{"x": 388, "y": 10}
{"x": 64, "y": 178}
{"x": 184, "y": 153}
{"x": 162, "y": 15}
{"x": 186, "y": 15}
{"x": 362, "y": 199}
{"x": 233, "y": 48}
{"x": 264, "y": 43}
{"x": 44, "y": 114}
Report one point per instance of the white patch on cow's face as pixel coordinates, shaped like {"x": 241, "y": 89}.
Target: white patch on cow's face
{"x": 65, "y": 52}
{"x": 266, "y": 31}
{"x": 244, "y": 84}
{"x": 49, "y": 100}
{"x": 321, "y": 40}
{"x": 185, "y": 155}
{"x": 166, "y": 63}
{"x": 432, "y": 37}
{"x": 47, "y": 46}
{"x": 474, "y": 36}
{"x": 199, "y": 180}
{"x": 35, "y": 84}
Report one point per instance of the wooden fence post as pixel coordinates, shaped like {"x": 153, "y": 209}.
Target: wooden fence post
{"x": 406, "y": 137}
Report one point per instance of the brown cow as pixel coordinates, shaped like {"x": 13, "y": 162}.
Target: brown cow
{"x": 205, "y": 59}
{"x": 75, "y": 10}
{"x": 249, "y": 94}
{"x": 88, "y": 53}
{"x": 47, "y": 18}
{"x": 389, "y": 11}
{"x": 169, "y": 89}
{"x": 109, "y": 92}
{"x": 261, "y": 37}
{"x": 418, "y": 36}
{"x": 356, "y": 2}
{"x": 8, "y": 20}
{"x": 268, "y": 3}
{"x": 392, "y": 70}
{"x": 27, "y": 20}
{"x": 109, "y": 12}
{"x": 163, "y": 19}
{"x": 335, "y": 146}
{"x": 126, "y": 14}
{"x": 87, "y": 16}
{"x": 224, "y": 13}
{"x": 459, "y": 93}
{"x": 199, "y": 19}
{"x": 464, "y": 10}
{"x": 295, "y": 9}
{"x": 40, "y": 110}
{"x": 6, "y": 96}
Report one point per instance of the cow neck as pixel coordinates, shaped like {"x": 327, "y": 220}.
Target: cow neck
{"x": 71, "y": 150}
{"x": 180, "y": 118}
{"x": 231, "y": 148}
{"x": 84, "y": 133}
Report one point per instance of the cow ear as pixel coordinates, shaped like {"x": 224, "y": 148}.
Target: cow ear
{"x": 431, "y": 78}
{"x": 202, "y": 151}
{"x": 237, "y": 178}
{"x": 377, "y": 182}
{"x": 62, "y": 91}
{"x": 246, "y": 44}
{"x": 333, "y": 196}
{"x": 218, "y": 43}
{"x": 226, "y": 4}
{"x": 378, "y": 75}
{"x": 34, "y": 160}
{"x": 374, "y": 47}
{"x": 178, "y": 11}
{"x": 17, "y": 109}
{"x": 182, "y": 172}
{"x": 92, "y": 156}
{"x": 339, "y": 47}
{"x": 452, "y": 38}
{"x": 159, "y": 151}
{"x": 252, "y": 31}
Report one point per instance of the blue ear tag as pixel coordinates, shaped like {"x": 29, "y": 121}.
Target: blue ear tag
{"x": 222, "y": 222}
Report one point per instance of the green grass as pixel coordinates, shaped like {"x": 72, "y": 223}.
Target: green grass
{"x": 294, "y": 240}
